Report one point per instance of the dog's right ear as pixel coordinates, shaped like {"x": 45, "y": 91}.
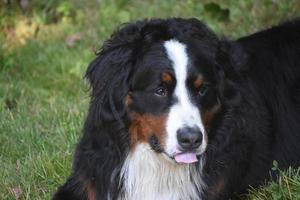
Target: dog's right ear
{"x": 109, "y": 73}
{"x": 231, "y": 61}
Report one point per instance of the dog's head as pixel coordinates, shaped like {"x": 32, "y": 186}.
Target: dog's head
{"x": 163, "y": 81}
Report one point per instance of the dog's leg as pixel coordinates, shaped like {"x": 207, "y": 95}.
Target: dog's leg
{"x": 71, "y": 190}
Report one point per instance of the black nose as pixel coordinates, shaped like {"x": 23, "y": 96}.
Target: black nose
{"x": 189, "y": 137}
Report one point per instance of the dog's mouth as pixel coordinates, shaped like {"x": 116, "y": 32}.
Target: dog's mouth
{"x": 185, "y": 157}
{"x": 180, "y": 157}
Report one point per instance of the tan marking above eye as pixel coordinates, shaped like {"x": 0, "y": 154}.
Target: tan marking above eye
{"x": 166, "y": 77}
{"x": 143, "y": 126}
{"x": 198, "y": 81}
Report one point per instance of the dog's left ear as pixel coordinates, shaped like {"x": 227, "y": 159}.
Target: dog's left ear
{"x": 231, "y": 61}
{"x": 231, "y": 58}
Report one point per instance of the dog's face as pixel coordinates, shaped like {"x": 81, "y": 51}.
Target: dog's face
{"x": 170, "y": 89}
{"x": 172, "y": 100}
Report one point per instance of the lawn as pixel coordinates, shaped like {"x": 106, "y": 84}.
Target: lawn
{"x": 45, "y": 47}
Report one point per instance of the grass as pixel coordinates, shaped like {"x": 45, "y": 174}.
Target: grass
{"x": 43, "y": 98}
{"x": 286, "y": 187}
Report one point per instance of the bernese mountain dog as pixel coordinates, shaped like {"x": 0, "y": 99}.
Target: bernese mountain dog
{"x": 178, "y": 113}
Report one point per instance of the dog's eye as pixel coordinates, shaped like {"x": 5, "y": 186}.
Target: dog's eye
{"x": 203, "y": 90}
{"x": 161, "y": 91}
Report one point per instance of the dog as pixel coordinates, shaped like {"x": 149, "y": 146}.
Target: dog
{"x": 178, "y": 113}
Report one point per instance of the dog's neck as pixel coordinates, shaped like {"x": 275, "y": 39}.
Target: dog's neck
{"x": 148, "y": 175}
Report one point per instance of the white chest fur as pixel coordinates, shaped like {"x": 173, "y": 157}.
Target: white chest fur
{"x": 147, "y": 175}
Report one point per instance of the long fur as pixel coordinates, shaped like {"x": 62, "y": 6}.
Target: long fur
{"x": 147, "y": 175}
{"x": 257, "y": 86}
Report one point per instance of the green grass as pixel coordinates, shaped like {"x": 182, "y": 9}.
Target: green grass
{"x": 43, "y": 98}
{"x": 286, "y": 187}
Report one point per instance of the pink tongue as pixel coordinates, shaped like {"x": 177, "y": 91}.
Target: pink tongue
{"x": 186, "y": 158}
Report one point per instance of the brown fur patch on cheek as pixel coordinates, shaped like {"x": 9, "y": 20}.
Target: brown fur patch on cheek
{"x": 143, "y": 126}
{"x": 198, "y": 82}
{"x": 209, "y": 115}
{"x": 166, "y": 77}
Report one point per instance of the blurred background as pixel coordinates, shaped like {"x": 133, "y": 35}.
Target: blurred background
{"x": 45, "y": 47}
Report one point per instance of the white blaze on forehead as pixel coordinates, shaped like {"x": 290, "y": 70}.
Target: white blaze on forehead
{"x": 183, "y": 112}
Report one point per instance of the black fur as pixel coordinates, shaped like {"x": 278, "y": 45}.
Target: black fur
{"x": 256, "y": 81}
